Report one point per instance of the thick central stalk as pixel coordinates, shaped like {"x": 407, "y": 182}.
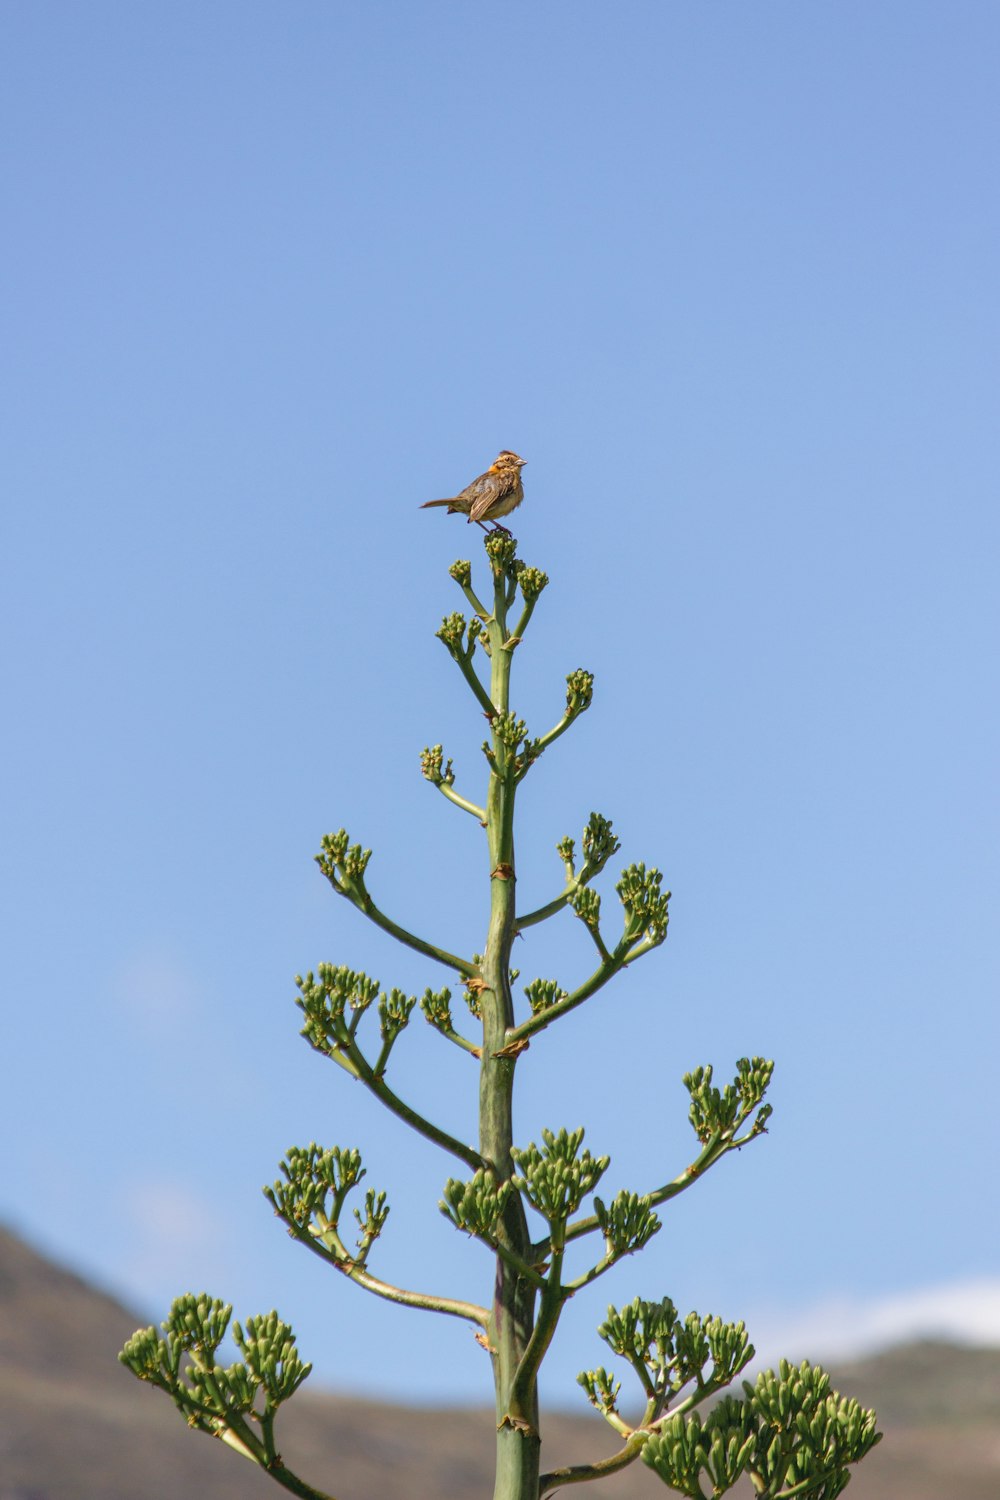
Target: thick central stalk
{"x": 512, "y": 1316}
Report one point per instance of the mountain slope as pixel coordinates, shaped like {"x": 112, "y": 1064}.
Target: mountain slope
{"x": 75, "y": 1425}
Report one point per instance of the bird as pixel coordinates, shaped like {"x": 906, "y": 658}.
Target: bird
{"x": 495, "y": 493}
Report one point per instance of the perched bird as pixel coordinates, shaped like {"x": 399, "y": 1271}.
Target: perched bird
{"x": 495, "y": 493}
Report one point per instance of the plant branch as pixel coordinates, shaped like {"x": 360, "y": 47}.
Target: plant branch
{"x": 550, "y": 1306}
{"x": 478, "y": 813}
{"x": 472, "y": 678}
{"x": 599, "y": 844}
{"x": 451, "y": 1306}
{"x": 363, "y": 901}
{"x": 340, "y": 1258}
{"x": 344, "y": 867}
{"x": 581, "y": 1473}
{"x": 237, "y": 1435}
{"x": 604, "y": 1264}
{"x": 607, "y": 970}
{"x": 714, "y": 1150}
{"x": 522, "y": 623}
{"x": 349, "y": 1054}
{"x": 459, "y": 1040}
{"x": 512, "y": 1259}
{"x": 539, "y": 745}
{"x": 392, "y": 1101}
{"x": 277, "y": 1471}
{"x": 464, "y": 582}
{"x": 548, "y": 910}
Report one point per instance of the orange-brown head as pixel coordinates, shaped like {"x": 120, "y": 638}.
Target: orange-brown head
{"x": 506, "y": 460}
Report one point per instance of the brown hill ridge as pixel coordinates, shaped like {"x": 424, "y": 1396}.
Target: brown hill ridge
{"x": 74, "y": 1425}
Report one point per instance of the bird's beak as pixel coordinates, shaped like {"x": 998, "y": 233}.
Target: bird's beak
{"x": 521, "y": 463}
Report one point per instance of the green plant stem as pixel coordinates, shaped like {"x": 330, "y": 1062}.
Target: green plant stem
{"x": 597, "y": 980}
{"x": 599, "y": 943}
{"x": 541, "y": 745}
{"x": 472, "y": 678}
{"x": 459, "y": 1040}
{"x": 353, "y": 1059}
{"x": 713, "y": 1151}
{"x": 238, "y": 1435}
{"x": 512, "y": 1314}
{"x": 550, "y": 1306}
{"x": 363, "y": 901}
{"x": 604, "y": 1264}
{"x": 267, "y": 1429}
{"x": 646, "y": 946}
{"x": 385, "y": 1095}
{"x": 612, "y": 963}
{"x": 479, "y": 813}
{"x": 522, "y": 623}
{"x": 550, "y": 910}
{"x": 337, "y": 1054}
{"x": 478, "y": 607}
{"x": 574, "y": 883}
{"x": 336, "y": 1254}
{"x": 519, "y": 1266}
{"x": 427, "y": 1301}
{"x": 581, "y": 1473}
{"x": 288, "y": 1480}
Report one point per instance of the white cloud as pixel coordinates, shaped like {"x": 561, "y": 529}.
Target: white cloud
{"x": 841, "y": 1328}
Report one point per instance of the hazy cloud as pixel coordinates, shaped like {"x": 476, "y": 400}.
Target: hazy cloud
{"x": 174, "y": 1235}
{"x": 157, "y": 993}
{"x": 966, "y": 1311}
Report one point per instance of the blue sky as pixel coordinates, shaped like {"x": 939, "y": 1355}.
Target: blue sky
{"x": 726, "y": 276}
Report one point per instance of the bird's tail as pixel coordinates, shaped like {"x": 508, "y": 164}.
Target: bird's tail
{"x": 428, "y": 503}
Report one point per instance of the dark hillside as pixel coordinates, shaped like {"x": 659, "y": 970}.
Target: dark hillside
{"x": 76, "y": 1426}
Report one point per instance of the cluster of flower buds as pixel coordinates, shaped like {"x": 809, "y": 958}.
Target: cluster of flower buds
{"x": 436, "y": 1006}
{"x": 720, "y": 1113}
{"x": 646, "y": 914}
{"x": 325, "y": 998}
{"x": 599, "y": 844}
{"x": 685, "y": 1448}
{"x": 556, "y": 1178}
{"x": 476, "y": 1206}
{"x": 343, "y": 863}
{"x": 371, "y": 1222}
{"x": 311, "y": 1199}
{"x": 502, "y": 553}
{"x": 579, "y": 692}
{"x": 459, "y": 635}
{"x": 268, "y": 1347}
{"x": 669, "y": 1353}
{"x": 433, "y": 768}
{"x": 394, "y": 1013}
{"x": 601, "y": 1388}
{"x": 543, "y": 994}
{"x": 531, "y": 582}
{"x": 627, "y": 1223}
{"x": 317, "y": 1181}
{"x": 791, "y": 1434}
{"x": 586, "y": 904}
{"x": 509, "y": 734}
{"x": 211, "y": 1396}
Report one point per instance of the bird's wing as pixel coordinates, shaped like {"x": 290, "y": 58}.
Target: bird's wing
{"x": 487, "y": 488}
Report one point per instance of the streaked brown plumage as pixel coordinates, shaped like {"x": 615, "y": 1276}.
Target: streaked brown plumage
{"x": 495, "y": 493}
